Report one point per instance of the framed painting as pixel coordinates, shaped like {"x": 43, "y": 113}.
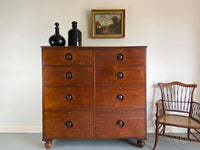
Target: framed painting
{"x": 108, "y": 23}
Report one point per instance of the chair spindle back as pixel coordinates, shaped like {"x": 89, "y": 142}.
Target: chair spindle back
{"x": 177, "y": 96}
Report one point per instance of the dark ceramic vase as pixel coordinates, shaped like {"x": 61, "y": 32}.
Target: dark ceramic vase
{"x": 57, "y": 39}
{"x": 74, "y": 36}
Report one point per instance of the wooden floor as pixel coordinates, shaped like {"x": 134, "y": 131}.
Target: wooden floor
{"x": 33, "y": 142}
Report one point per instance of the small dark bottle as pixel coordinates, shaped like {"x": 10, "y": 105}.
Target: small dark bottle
{"x": 57, "y": 39}
{"x": 74, "y": 35}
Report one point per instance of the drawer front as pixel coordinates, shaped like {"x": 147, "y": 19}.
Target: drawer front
{"x": 58, "y": 76}
{"x": 120, "y": 99}
{"x": 120, "y": 57}
{"x": 68, "y": 98}
{"x": 124, "y": 125}
{"x": 67, "y": 57}
{"x": 68, "y": 124}
{"x": 120, "y": 76}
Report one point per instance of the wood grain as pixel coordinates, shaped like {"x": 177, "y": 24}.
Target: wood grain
{"x": 106, "y": 98}
{"x": 133, "y": 76}
{"x": 55, "y": 76}
{"x": 133, "y": 57}
{"x": 54, "y": 124}
{"x": 57, "y": 57}
{"x": 134, "y": 124}
{"x": 54, "y": 98}
{"x": 94, "y": 93}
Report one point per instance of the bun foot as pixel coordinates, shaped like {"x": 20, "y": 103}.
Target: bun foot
{"x": 48, "y": 144}
{"x": 141, "y": 143}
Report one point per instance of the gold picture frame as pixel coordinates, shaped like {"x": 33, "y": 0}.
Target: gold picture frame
{"x": 108, "y": 23}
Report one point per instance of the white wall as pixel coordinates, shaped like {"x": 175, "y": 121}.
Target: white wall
{"x": 170, "y": 29}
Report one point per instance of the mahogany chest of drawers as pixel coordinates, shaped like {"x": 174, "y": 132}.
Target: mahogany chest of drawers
{"x": 94, "y": 93}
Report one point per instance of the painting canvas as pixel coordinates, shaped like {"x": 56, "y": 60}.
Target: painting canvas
{"x": 108, "y": 23}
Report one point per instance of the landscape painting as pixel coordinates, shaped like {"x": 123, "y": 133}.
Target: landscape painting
{"x": 108, "y": 23}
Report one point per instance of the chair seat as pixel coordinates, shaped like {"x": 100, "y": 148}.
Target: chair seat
{"x": 179, "y": 121}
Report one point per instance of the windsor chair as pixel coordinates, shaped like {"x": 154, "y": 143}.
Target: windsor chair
{"x": 177, "y": 97}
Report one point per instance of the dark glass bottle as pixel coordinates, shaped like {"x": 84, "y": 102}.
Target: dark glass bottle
{"x": 74, "y": 35}
{"x": 57, "y": 39}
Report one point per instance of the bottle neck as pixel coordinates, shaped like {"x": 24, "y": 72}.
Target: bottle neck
{"x": 57, "y": 31}
{"x": 74, "y": 27}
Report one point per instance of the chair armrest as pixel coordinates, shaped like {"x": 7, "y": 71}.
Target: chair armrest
{"x": 195, "y": 111}
{"x": 159, "y": 109}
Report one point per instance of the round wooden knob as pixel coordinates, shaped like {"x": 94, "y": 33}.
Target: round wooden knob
{"x": 68, "y": 124}
{"x": 68, "y": 75}
{"x": 120, "y": 123}
{"x": 68, "y": 97}
{"x": 68, "y": 56}
{"x": 120, "y": 57}
{"x": 120, "y": 75}
{"x": 120, "y": 97}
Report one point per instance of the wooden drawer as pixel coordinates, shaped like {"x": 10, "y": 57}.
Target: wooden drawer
{"x": 120, "y": 76}
{"x": 120, "y": 57}
{"x": 68, "y": 124}
{"x": 124, "y": 125}
{"x": 120, "y": 99}
{"x": 60, "y": 75}
{"x": 68, "y": 98}
{"x": 69, "y": 57}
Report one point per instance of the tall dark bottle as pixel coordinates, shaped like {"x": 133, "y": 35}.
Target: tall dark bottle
{"x": 74, "y": 36}
{"x": 56, "y": 39}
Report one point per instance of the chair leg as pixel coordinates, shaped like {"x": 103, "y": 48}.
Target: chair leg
{"x": 163, "y": 129}
{"x": 156, "y": 136}
{"x": 188, "y": 133}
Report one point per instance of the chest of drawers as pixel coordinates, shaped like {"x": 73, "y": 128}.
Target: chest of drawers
{"x": 94, "y": 93}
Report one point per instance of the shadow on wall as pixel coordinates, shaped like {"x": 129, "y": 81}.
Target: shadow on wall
{"x": 89, "y": 26}
{"x": 197, "y": 91}
{"x": 156, "y": 96}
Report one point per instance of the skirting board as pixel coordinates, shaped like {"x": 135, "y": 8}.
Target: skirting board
{"x": 20, "y": 129}
{"x": 38, "y": 129}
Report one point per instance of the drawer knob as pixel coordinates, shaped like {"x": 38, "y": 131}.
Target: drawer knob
{"x": 120, "y": 57}
{"x": 68, "y": 124}
{"x": 68, "y": 75}
{"x": 120, "y": 97}
{"x": 68, "y": 56}
{"x": 120, "y": 123}
{"x": 120, "y": 75}
{"x": 68, "y": 97}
